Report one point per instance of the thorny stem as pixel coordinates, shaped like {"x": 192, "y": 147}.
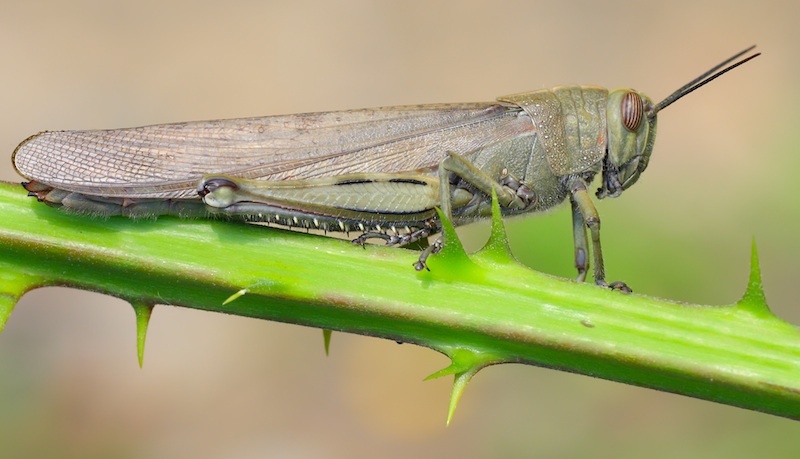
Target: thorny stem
{"x": 481, "y": 310}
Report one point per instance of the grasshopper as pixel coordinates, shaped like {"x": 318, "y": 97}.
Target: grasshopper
{"x": 378, "y": 172}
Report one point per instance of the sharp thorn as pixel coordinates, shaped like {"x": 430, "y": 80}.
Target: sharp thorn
{"x": 236, "y": 295}
{"x": 326, "y": 337}
{"x": 754, "y": 298}
{"x": 464, "y": 363}
{"x": 459, "y": 384}
{"x": 7, "y": 303}
{"x": 143, "y": 312}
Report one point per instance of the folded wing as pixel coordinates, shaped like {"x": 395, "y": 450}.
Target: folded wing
{"x": 168, "y": 160}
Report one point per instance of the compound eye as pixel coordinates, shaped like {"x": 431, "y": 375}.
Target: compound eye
{"x": 632, "y": 111}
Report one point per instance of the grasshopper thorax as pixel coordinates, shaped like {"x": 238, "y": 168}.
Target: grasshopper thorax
{"x": 631, "y": 134}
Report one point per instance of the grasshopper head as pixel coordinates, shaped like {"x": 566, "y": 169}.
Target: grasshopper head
{"x": 632, "y": 128}
{"x": 631, "y": 134}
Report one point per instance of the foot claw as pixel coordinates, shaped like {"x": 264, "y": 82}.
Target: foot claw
{"x": 434, "y": 248}
{"x": 362, "y": 241}
{"x": 420, "y": 265}
{"x": 620, "y": 286}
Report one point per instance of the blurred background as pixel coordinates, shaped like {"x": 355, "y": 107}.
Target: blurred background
{"x": 216, "y": 386}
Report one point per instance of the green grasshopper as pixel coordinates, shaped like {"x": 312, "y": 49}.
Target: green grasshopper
{"x": 379, "y": 172}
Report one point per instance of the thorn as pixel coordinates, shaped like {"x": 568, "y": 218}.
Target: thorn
{"x": 497, "y": 246}
{"x": 12, "y": 286}
{"x": 256, "y": 286}
{"x": 453, "y": 242}
{"x": 459, "y": 384}
{"x": 755, "y": 289}
{"x": 457, "y": 365}
{"x": 236, "y": 295}
{"x": 7, "y": 303}
{"x": 326, "y": 337}
{"x": 143, "y": 312}
{"x": 452, "y": 257}
{"x": 754, "y": 298}
{"x": 464, "y": 363}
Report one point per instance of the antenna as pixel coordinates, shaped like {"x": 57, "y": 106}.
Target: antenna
{"x": 702, "y": 80}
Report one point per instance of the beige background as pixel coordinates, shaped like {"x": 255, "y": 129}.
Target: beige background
{"x": 217, "y": 386}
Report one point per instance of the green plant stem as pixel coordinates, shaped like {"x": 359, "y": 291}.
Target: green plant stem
{"x": 483, "y": 310}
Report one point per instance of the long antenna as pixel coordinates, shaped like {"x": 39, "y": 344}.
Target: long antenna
{"x": 702, "y": 80}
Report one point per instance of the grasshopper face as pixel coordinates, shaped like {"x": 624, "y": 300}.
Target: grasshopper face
{"x": 632, "y": 128}
{"x": 631, "y": 135}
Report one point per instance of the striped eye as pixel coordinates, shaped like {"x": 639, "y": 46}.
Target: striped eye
{"x": 632, "y": 110}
